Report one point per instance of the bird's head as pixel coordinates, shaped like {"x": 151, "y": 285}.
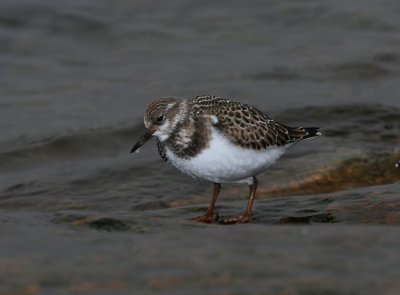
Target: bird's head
{"x": 161, "y": 119}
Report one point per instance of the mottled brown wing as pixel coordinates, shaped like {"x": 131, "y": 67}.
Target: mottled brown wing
{"x": 244, "y": 124}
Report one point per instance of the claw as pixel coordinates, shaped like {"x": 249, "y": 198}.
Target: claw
{"x": 207, "y": 218}
{"x": 237, "y": 219}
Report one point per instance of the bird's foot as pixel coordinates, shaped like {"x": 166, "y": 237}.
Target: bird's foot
{"x": 207, "y": 218}
{"x": 246, "y": 218}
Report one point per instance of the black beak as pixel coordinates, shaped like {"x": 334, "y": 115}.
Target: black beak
{"x": 142, "y": 140}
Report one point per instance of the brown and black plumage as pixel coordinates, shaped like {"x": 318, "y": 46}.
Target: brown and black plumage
{"x": 218, "y": 140}
{"x": 247, "y": 126}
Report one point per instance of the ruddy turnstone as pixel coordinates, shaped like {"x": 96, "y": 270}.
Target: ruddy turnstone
{"x": 220, "y": 141}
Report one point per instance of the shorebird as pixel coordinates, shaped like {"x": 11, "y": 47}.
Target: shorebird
{"x": 219, "y": 141}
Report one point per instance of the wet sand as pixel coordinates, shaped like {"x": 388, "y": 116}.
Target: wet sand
{"x": 331, "y": 243}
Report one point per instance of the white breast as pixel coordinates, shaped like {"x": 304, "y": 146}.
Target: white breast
{"x": 225, "y": 162}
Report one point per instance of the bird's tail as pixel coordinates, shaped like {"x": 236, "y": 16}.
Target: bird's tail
{"x": 299, "y": 133}
{"x": 312, "y": 132}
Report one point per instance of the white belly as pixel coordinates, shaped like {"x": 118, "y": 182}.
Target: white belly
{"x": 224, "y": 162}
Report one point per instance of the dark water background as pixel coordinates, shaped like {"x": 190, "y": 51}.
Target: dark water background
{"x": 80, "y": 215}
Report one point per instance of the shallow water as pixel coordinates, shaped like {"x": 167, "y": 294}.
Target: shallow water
{"x": 323, "y": 244}
{"x": 79, "y": 214}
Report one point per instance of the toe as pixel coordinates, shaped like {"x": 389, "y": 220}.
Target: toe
{"x": 237, "y": 219}
{"x": 207, "y": 218}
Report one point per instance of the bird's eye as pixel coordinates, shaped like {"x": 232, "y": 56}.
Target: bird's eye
{"x": 160, "y": 118}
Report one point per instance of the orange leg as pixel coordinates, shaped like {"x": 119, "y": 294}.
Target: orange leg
{"x": 208, "y": 217}
{"x": 247, "y": 216}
